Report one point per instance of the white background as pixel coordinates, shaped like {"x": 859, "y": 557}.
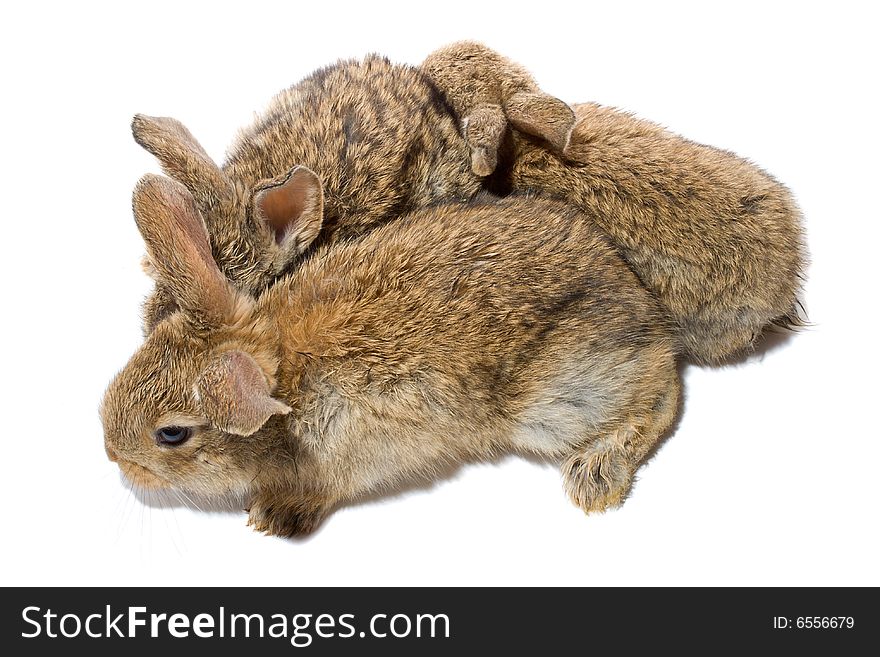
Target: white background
{"x": 771, "y": 476}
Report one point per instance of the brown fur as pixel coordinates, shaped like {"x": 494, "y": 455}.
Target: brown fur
{"x": 718, "y": 240}
{"x": 715, "y": 238}
{"x": 380, "y": 136}
{"x": 458, "y": 333}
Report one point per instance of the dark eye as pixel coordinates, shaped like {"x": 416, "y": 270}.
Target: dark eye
{"x": 173, "y": 435}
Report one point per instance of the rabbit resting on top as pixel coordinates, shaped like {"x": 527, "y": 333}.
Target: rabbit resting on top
{"x": 715, "y": 238}
{"x": 718, "y": 240}
{"x": 457, "y": 333}
{"x": 380, "y": 136}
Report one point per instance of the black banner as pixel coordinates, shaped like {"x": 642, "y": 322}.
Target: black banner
{"x": 436, "y": 621}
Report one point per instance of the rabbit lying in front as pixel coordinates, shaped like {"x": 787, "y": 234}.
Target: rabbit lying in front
{"x": 718, "y": 240}
{"x": 458, "y": 333}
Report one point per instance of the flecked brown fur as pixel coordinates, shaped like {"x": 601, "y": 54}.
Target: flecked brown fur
{"x": 380, "y": 136}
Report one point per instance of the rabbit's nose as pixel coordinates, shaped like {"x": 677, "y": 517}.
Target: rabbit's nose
{"x": 110, "y": 453}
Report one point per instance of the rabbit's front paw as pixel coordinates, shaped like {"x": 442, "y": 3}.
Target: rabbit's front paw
{"x": 599, "y": 477}
{"x": 483, "y": 129}
{"x": 277, "y": 515}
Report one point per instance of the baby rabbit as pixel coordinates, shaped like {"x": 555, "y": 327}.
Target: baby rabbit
{"x": 718, "y": 240}
{"x": 381, "y": 137}
{"x": 458, "y": 333}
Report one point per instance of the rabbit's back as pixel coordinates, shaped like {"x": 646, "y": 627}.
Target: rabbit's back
{"x": 467, "y": 330}
{"x": 381, "y": 137}
{"x": 516, "y": 266}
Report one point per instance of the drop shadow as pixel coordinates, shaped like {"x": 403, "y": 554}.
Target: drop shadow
{"x": 772, "y": 340}
{"x": 419, "y": 485}
{"x": 231, "y": 505}
{"x": 446, "y": 474}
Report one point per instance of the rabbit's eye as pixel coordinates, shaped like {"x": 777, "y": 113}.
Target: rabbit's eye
{"x": 173, "y": 435}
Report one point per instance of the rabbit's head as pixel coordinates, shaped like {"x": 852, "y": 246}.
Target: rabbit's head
{"x": 186, "y": 410}
{"x": 256, "y": 232}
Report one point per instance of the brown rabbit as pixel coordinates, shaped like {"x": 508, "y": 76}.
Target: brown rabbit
{"x": 718, "y": 240}
{"x": 458, "y": 333}
{"x": 381, "y": 137}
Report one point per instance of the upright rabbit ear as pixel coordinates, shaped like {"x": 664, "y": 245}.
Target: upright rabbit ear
{"x": 292, "y": 207}
{"x": 178, "y": 248}
{"x": 235, "y": 394}
{"x": 541, "y": 115}
{"x": 181, "y": 156}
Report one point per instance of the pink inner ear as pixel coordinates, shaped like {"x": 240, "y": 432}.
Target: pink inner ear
{"x": 281, "y": 206}
{"x": 247, "y": 382}
{"x": 190, "y": 226}
{"x": 235, "y": 395}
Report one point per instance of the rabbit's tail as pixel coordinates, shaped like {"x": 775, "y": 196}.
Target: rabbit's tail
{"x": 794, "y": 320}
{"x": 710, "y": 342}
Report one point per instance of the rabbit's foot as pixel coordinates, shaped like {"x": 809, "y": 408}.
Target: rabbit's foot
{"x": 286, "y": 515}
{"x": 483, "y": 129}
{"x": 599, "y": 476}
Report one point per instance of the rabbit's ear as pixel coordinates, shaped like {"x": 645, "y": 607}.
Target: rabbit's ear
{"x": 541, "y": 115}
{"x": 292, "y": 207}
{"x": 181, "y": 156}
{"x": 235, "y": 395}
{"x": 179, "y": 250}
